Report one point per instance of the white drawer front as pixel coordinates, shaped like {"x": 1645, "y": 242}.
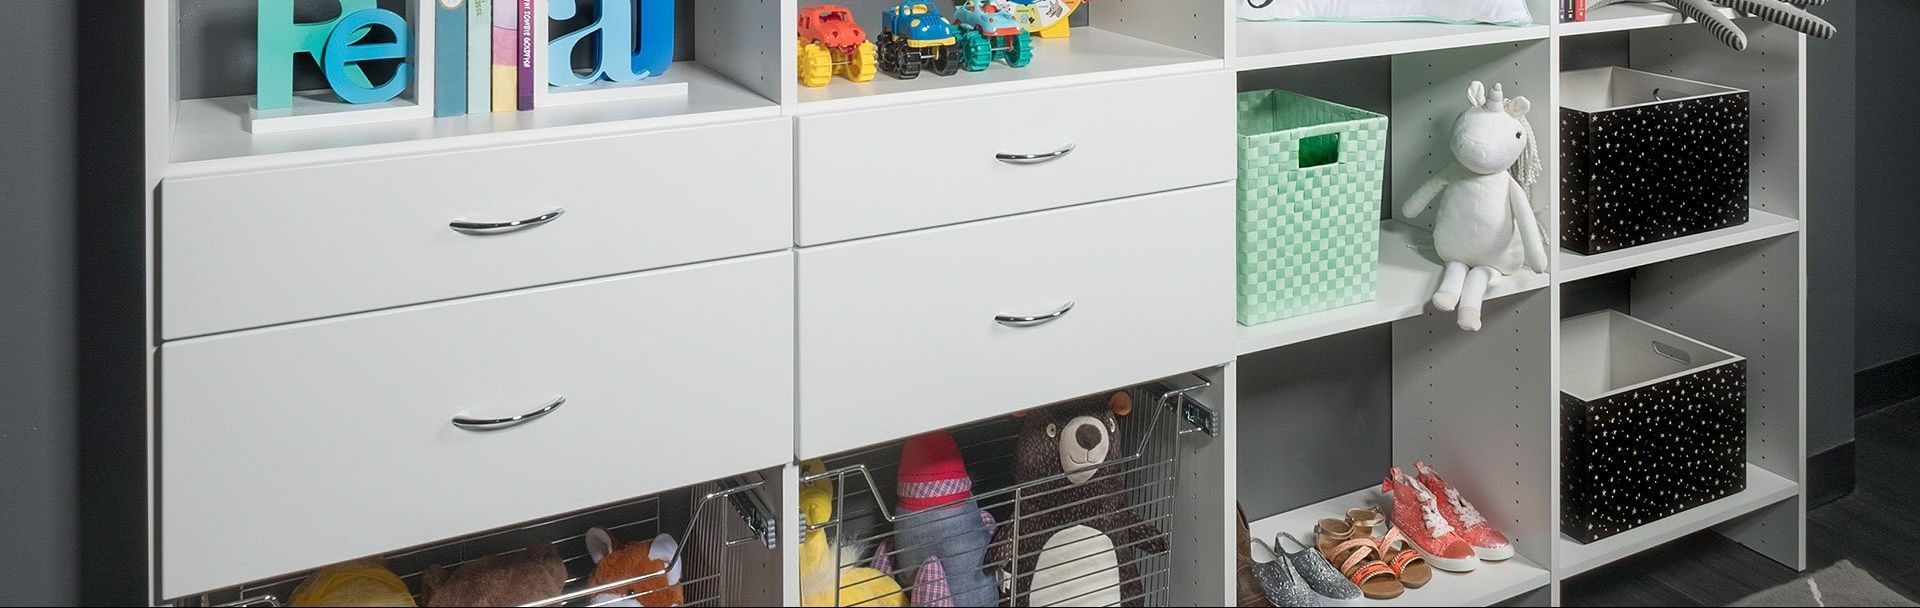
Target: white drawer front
{"x": 253, "y": 249}
{"x": 292, "y": 447}
{"x": 870, "y": 172}
{"x": 898, "y": 334}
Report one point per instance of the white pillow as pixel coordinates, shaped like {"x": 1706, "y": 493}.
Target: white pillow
{"x": 1498, "y": 12}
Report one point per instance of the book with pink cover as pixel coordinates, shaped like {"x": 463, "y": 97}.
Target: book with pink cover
{"x": 506, "y": 38}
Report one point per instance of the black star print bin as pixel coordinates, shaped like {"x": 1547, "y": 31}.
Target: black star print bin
{"x": 1646, "y": 158}
{"x": 1651, "y": 424}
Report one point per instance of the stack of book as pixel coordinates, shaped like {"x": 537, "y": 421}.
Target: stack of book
{"x": 483, "y": 56}
{"x": 1570, "y": 10}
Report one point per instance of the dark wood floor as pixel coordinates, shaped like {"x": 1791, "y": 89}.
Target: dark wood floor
{"x": 1877, "y": 527}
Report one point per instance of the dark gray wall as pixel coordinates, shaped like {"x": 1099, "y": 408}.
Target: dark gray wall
{"x": 39, "y": 482}
{"x": 1830, "y": 228}
{"x": 1889, "y": 187}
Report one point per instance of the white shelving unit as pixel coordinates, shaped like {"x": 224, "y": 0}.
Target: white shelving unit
{"x": 789, "y": 252}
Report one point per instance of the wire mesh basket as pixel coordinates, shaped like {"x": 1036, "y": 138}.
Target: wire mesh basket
{"x": 727, "y": 552}
{"x": 1138, "y": 571}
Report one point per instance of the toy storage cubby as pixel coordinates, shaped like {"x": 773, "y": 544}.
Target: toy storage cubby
{"x": 731, "y": 68}
{"x": 758, "y": 274}
{"x": 727, "y": 534}
{"x": 1120, "y": 39}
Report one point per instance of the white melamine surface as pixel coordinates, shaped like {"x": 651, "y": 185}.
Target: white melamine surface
{"x": 294, "y": 447}
{"x": 1761, "y": 225}
{"x": 1491, "y": 583}
{"x": 1090, "y": 55}
{"x": 1277, "y": 44}
{"x": 888, "y": 170}
{"x": 897, "y": 334}
{"x": 210, "y": 136}
{"x": 1763, "y": 488}
{"x": 1627, "y": 16}
{"x": 1409, "y": 272}
{"x": 258, "y": 248}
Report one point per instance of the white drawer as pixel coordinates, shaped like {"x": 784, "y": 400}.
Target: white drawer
{"x": 252, "y": 249}
{"x": 870, "y": 172}
{"x": 898, "y": 334}
{"x": 293, "y": 447}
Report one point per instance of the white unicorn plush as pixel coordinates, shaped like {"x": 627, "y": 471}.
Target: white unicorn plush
{"x": 1486, "y": 228}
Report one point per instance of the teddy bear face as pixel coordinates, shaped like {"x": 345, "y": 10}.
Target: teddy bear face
{"x": 1073, "y": 438}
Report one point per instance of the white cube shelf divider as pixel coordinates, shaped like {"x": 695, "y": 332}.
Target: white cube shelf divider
{"x": 1483, "y": 406}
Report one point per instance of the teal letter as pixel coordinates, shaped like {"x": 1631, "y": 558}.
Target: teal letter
{"x": 280, "y": 41}
{"x": 343, "y": 53}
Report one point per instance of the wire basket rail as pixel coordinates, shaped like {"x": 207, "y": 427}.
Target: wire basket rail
{"x": 724, "y": 520}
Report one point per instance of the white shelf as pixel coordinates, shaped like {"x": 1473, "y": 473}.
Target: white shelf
{"x": 210, "y": 135}
{"x": 1630, "y": 16}
{"x": 1491, "y": 583}
{"x": 1763, "y": 488}
{"x": 1409, "y": 271}
{"x": 1090, "y": 55}
{"x": 1760, "y": 225}
{"x": 1283, "y": 43}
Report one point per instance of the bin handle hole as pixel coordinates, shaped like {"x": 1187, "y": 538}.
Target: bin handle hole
{"x": 1319, "y": 150}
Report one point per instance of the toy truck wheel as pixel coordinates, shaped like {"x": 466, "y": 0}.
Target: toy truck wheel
{"x": 816, "y": 64}
{"x": 910, "y": 63}
{"x": 947, "y": 63}
{"x": 1020, "y": 50}
{"x": 862, "y": 63}
{"x": 975, "y": 52}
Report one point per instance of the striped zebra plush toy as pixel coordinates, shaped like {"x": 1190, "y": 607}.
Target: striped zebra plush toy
{"x": 1790, "y": 13}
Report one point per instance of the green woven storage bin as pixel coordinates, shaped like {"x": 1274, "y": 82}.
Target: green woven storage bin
{"x": 1309, "y": 213}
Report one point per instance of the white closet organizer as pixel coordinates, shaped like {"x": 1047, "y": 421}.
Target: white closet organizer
{"x": 760, "y": 273}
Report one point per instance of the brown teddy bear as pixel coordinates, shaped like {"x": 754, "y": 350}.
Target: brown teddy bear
{"x": 1078, "y": 542}
{"x": 510, "y": 579}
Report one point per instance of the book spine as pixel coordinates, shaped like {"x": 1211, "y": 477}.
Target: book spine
{"x": 506, "y": 33}
{"x": 449, "y": 58}
{"x": 525, "y": 66}
{"x": 1579, "y": 10}
{"x": 479, "y": 56}
{"x": 1566, "y": 11}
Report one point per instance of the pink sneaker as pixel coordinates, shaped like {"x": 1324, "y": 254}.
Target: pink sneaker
{"x": 1489, "y": 544}
{"x": 1417, "y": 516}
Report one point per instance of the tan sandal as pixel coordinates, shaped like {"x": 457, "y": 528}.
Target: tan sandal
{"x": 1355, "y": 558}
{"x": 1363, "y": 522}
{"x": 1407, "y": 564}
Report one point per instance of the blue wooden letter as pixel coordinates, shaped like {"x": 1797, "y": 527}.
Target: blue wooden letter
{"x": 612, "y": 59}
{"x": 343, "y": 53}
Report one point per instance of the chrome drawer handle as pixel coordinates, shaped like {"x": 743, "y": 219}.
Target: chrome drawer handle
{"x": 1020, "y": 321}
{"x": 492, "y": 228}
{"x": 494, "y": 424}
{"x": 1035, "y": 159}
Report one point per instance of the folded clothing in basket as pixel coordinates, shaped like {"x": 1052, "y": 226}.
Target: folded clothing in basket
{"x": 1496, "y": 12}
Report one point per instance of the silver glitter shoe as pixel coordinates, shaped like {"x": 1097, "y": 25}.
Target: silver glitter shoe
{"x": 1277, "y": 579}
{"x": 1326, "y": 583}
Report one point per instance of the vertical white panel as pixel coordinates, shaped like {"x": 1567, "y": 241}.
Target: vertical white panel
{"x": 1203, "y": 511}
{"x": 1194, "y": 25}
{"x": 1472, "y": 404}
{"x": 747, "y": 41}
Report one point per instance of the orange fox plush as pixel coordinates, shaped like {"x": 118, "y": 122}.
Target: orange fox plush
{"x": 615, "y": 561}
